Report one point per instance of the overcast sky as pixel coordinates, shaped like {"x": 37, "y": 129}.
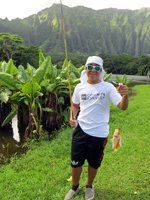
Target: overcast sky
{"x": 23, "y": 8}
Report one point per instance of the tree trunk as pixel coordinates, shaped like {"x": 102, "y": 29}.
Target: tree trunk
{"x": 52, "y": 120}
{"x": 23, "y": 119}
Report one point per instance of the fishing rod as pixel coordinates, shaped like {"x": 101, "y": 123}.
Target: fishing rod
{"x": 66, "y": 55}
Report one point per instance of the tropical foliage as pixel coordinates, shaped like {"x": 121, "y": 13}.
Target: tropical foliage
{"x": 40, "y": 97}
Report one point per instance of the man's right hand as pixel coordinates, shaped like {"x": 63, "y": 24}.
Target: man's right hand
{"x": 73, "y": 123}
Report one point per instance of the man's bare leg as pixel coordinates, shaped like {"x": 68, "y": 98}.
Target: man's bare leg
{"x": 91, "y": 175}
{"x": 76, "y": 172}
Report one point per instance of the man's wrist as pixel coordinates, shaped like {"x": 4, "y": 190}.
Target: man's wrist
{"x": 125, "y": 95}
{"x": 74, "y": 117}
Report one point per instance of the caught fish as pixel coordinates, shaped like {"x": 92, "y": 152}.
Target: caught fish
{"x": 116, "y": 139}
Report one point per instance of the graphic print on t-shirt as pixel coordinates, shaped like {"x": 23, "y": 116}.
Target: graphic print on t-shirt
{"x": 93, "y": 96}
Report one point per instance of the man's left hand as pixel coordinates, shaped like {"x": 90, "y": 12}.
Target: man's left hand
{"x": 123, "y": 90}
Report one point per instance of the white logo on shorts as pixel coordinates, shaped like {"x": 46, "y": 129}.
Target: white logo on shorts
{"x": 74, "y": 162}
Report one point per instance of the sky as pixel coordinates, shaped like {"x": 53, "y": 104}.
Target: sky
{"x": 24, "y": 8}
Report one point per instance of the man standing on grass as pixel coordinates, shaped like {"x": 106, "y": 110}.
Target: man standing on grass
{"x": 93, "y": 98}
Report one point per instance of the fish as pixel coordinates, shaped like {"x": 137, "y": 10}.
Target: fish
{"x": 116, "y": 139}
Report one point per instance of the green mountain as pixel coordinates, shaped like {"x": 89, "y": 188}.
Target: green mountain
{"x": 109, "y": 31}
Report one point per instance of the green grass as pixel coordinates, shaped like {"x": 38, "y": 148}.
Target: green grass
{"x": 41, "y": 174}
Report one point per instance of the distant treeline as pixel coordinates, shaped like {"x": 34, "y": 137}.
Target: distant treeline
{"x": 12, "y": 46}
{"x": 116, "y": 64}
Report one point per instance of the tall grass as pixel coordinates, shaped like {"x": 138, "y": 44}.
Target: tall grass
{"x": 42, "y": 173}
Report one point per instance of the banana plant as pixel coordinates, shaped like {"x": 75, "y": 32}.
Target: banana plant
{"x": 25, "y": 85}
{"x": 8, "y": 85}
{"x": 56, "y": 88}
{"x": 42, "y": 91}
{"x": 31, "y": 93}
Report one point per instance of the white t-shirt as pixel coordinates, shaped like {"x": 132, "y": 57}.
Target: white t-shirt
{"x": 94, "y": 101}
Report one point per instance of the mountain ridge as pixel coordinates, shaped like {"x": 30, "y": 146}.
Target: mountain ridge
{"x": 108, "y": 30}
{"x": 79, "y": 6}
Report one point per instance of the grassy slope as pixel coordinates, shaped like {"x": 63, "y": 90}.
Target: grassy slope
{"x": 42, "y": 173}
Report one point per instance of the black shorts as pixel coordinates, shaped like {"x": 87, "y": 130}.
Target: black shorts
{"x": 86, "y": 147}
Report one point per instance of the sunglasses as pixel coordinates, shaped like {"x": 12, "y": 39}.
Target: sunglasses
{"x": 97, "y": 68}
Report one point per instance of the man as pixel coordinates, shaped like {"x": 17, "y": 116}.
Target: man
{"x": 93, "y": 97}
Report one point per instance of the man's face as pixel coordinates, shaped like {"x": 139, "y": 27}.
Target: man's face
{"x": 93, "y": 74}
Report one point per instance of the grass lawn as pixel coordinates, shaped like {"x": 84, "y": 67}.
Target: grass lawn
{"x": 124, "y": 175}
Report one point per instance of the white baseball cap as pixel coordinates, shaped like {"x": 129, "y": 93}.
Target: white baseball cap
{"x": 94, "y": 59}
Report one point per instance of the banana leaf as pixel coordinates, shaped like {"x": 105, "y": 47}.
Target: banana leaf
{"x": 41, "y": 58}
{"x": 11, "y": 68}
{"x": 9, "y": 117}
{"x": 8, "y": 80}
{"x": 4, "y": 97}
{"x": 41, "y": 72}
{"x": 22, "y": 74}
{"x": 30, "y": 88}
